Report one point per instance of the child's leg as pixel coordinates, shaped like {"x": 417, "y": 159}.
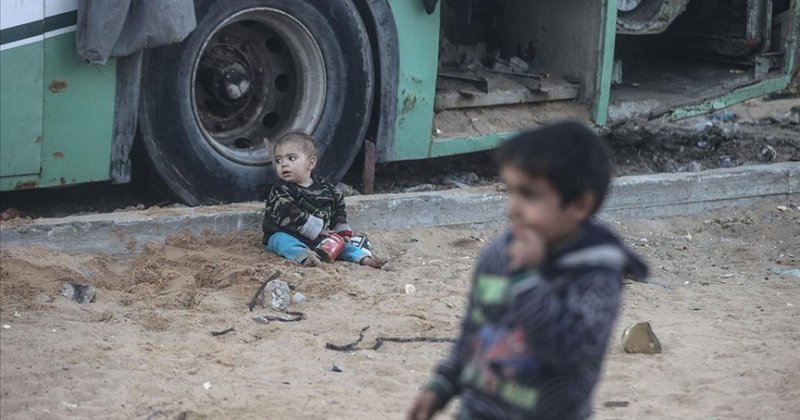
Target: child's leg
{"x": 358, "y": 255}
{"x": 287, "y": 246}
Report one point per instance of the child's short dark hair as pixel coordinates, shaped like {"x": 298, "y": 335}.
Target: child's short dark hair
{"x": 305, "y": 141}
{"x": 569, "y": 154}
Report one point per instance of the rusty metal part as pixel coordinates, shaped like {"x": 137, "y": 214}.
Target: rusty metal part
{"x": 368, "y": 174}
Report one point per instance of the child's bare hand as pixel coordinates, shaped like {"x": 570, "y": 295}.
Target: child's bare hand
{"x": 327, "y": 232}
{"x": 526, "y": 249}
{"x": 426, "y": 404}
{"x": 346, "y": 239}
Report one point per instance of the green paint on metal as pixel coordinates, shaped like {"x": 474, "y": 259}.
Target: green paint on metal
{"x": 419, "y": 53}
{"x": 21, "y": 110}
{"x": 607, "y": 43}
{"x": 454, "y": 146}
{"x": 78, "y": 115}
{"x": 735, "y": 96}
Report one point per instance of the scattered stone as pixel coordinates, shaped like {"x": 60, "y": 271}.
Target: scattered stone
{"x": 337, "y": 367}
{"x": 298, "y": 298}
{"x": 44, "y": 299}
{"x": 768, "y": 154}
{"x": 77, "y": 292}
{"x": 207, "y": 385}
{"x": 782, "y": 208}
{"x": 410, "y": 289}
{"x": 727, "y": 161}
{"x": 140, "y": 206}
{"x": 17, "y": 314}
{"x": 276, "y": 295}
{"x": 6, "y": 327}
{"x": 261, "y": 319}
{"x": 640, "y": 338}
{"x": 9, "y": 213}
{"x": 695, "y": 166}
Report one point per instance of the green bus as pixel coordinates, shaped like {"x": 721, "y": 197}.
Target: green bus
{"x": 415, "y": 78}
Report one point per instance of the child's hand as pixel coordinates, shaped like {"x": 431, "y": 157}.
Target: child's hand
{"x": 346, "y": 239}
{"x": 426, "y": 404}
{"x": 326, "y": 232}
{"x": 526, "y": 249}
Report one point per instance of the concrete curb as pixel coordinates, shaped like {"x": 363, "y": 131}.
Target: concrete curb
{"x": 644, "y": 196}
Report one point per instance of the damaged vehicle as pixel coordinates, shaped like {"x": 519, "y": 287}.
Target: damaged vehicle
{"x": 190, "y": 89}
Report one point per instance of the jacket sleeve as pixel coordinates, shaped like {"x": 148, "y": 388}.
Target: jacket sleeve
{"x": 339, "y": 217}
{"x": 571, "y": 329}
{"x": 284, "y": 212}
{"x": 445, "y": 382}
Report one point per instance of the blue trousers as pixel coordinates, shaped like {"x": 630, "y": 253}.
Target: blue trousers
{"x": 289, "y": 247}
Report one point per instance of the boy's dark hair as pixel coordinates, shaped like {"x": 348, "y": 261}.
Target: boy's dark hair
{"x": 305, "y": 141}
{"x": 569, "y": 154}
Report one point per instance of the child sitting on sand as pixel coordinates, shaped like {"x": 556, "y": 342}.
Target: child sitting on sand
{"x": 303, "y": 209}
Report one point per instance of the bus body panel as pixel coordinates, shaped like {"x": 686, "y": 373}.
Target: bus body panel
{"x": 21, "y": 90}
{"x": 78, "y": 115}
{"x": 419, "y": 54}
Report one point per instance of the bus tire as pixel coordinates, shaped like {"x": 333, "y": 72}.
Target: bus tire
{"x": 254, "y": 69}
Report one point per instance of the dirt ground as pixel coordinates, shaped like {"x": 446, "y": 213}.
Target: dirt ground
{"x": 729, "y": 326}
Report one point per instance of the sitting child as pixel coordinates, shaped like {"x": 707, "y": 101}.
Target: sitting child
{"x": 302, "y": 209}
{"x": 545, "y": 293}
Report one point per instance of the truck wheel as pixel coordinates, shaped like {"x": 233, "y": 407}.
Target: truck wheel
{"x": 254, "y": 69}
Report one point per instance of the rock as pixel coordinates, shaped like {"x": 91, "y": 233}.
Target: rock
{"x": 207, "y": 385}
{"x": 409, "y": 289}
{"x": 77, "y": 292}
{"x": 6, "y": 327}
{"x": 261, "y": 319}
{"x": 695, "y": 166}
{"x": 337, "y": 367}
{"x": 782, "y": 208}
{"x": 640, "y": 338}
{"x": 768, "y": 154}
{"x": 298, "y": 298}
{"x": 727, "y": 161}
{"x": 276, "y": 295}
{"x": 9, "y": 214}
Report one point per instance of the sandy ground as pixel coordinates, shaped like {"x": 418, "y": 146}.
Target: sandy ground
{"x": 729, "y": 327}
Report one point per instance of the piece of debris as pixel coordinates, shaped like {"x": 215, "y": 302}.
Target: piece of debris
{"x": 768, "y": 154}
{"x": 17, "y": 314}
{"x": 223, "y": 332}
{"x": 9, "y": 213}
{"x": 337, "y": 367}
{"x": 409, "y": 289}
{"x": 207, "y": 385}
{"x": 276, "y": 295}
{"x": 257, "y": 296}
{"x": 640, "y": 338}
{"x": 782, "y": 208}
{"x": 382, "y": 339}
{"x": 794, "y": 272}
{"x": 298, "y": 298}
{"x": 612, "y": 404}
{"x": 77, "y": 292}
{"x": 261, "y": 319}
{"x": 6, "y": 327}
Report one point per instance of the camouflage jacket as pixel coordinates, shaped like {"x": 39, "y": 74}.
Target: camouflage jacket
{"x": 305, "y": 212}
